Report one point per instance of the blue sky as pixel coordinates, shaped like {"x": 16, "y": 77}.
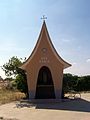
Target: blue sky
{"x": 68, "y": 23}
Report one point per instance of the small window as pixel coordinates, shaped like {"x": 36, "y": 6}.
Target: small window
{"x": 44, "y": 50}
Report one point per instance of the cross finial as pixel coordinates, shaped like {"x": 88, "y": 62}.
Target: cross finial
{"x": 43, "y": 17}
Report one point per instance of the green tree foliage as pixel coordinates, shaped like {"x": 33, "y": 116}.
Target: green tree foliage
{"x": 11, "y": 68}
{"x": 69, "y": 82}
{"x": 83, "y": 83}
{"x": 21, "y": 82}
{"x": 72, "y": 82}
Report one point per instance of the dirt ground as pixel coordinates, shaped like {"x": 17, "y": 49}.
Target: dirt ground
{"x": 77, "y": 109}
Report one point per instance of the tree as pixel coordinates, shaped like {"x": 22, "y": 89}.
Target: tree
{"x": 21, "y": 82}
{"x": 69, "y": 82}
{"x": 73, "y": 82}
{"x": 83, "y": 83}
{"x": 12, "y": 69}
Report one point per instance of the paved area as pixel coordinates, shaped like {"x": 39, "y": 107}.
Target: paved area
{"x": 78, "y": 109}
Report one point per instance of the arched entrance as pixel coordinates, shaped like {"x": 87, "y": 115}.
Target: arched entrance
{"x": 45, "y": 86}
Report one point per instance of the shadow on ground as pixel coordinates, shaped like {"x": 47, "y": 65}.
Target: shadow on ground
{"x": 2, "y": 118}
{"x": 79, "y": 104}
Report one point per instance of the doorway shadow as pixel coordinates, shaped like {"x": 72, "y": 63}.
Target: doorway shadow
{"x": 79, "y": 104}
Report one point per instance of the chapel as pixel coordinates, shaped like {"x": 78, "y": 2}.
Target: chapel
{"x": 44, "y": 69}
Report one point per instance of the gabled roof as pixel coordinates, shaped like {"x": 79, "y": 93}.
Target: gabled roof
{"x": 45, "y": 31}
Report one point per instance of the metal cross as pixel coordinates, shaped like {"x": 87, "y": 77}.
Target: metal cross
{"x": 43, "y": 17}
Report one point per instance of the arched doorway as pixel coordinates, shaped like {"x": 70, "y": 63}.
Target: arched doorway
{"x": 45, "y": 86}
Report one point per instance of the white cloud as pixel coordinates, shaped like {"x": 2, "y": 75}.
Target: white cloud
{"x": 74, "y": 63}
{"x": 88, "y": 60}
{"x": 66, "y": 40}
{"x": 79, "y": 69}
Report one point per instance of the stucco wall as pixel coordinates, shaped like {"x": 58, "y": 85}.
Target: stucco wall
{"x": 44, "y": 54}
{"x": 44, "y": 58}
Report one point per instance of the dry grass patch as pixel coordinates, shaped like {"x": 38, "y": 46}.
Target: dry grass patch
{"x": 7, "y": 96}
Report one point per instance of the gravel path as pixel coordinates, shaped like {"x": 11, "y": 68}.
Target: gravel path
{"x": 78, "y": 109}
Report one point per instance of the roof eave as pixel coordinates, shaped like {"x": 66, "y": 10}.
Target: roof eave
{"x": 67, "y": 65}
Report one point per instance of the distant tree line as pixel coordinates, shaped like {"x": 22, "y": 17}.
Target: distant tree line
{"x": 76, "y": 83}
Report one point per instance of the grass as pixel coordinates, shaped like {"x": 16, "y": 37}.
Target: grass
{"x": 7, "y": 96}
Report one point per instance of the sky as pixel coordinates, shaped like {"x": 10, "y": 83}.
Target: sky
{"x": 68, "y": 23}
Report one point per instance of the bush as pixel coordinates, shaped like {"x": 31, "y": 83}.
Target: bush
{"x": 21, "y": 83}
{"x": 72, "y": 82}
